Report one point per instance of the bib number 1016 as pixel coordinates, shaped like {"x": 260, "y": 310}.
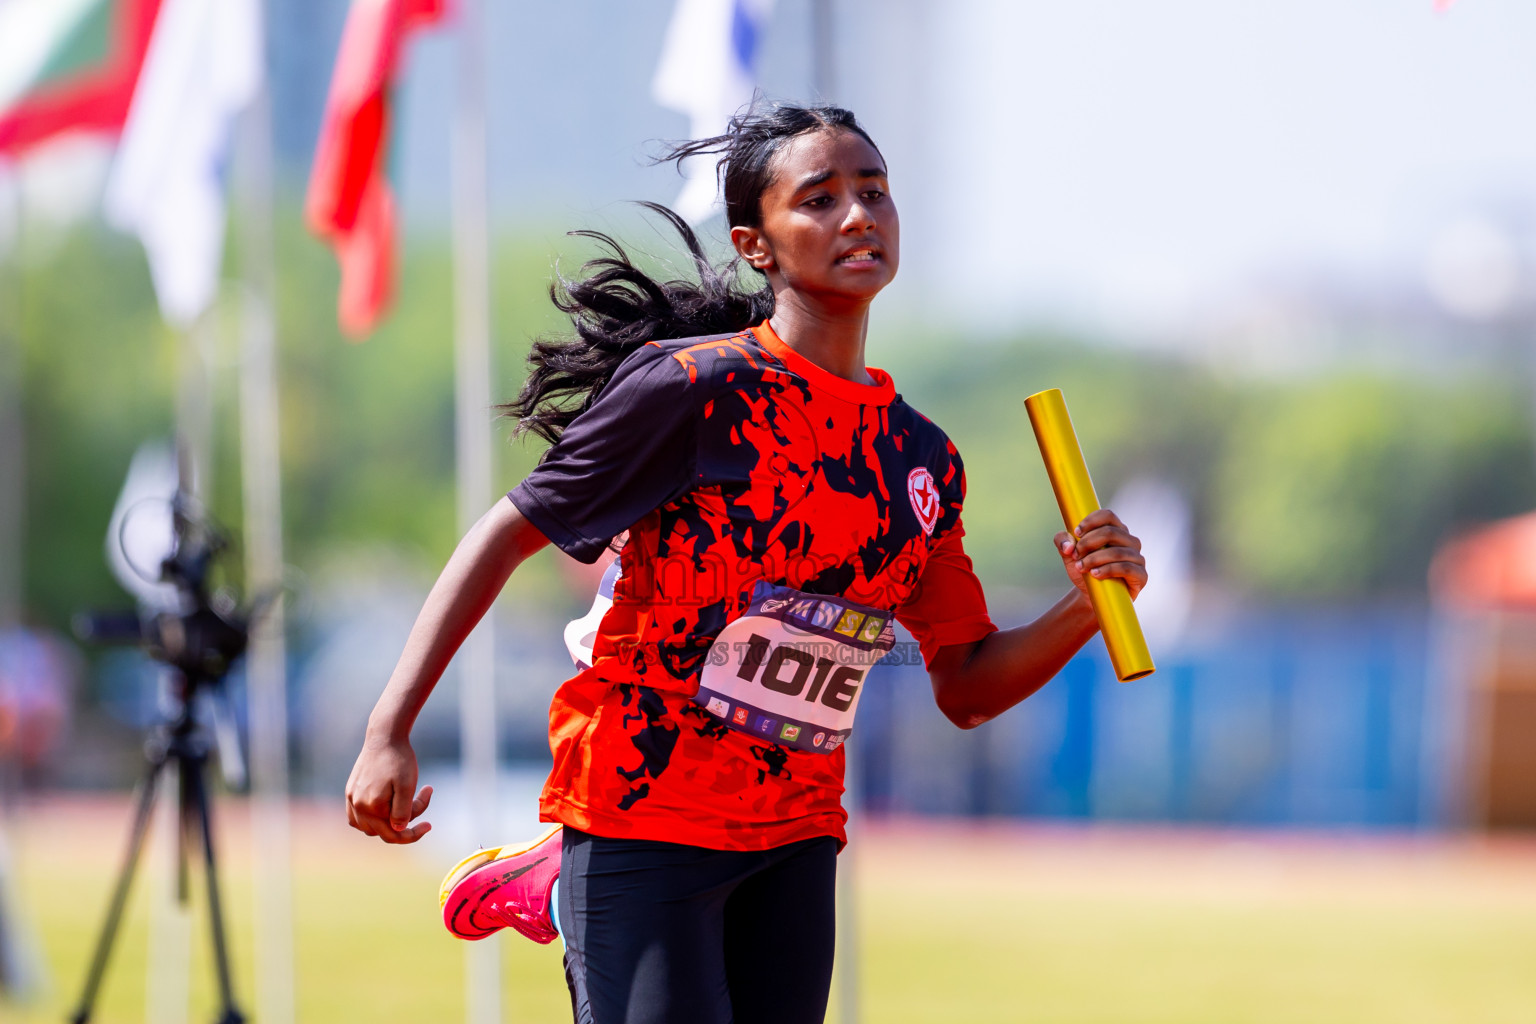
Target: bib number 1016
{"x": 793, "y": 671}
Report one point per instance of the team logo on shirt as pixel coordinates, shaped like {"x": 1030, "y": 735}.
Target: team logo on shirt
{"x": 924, "y": 494}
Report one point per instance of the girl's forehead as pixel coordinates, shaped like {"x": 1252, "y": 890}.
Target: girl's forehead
{"x": 826, "y": 149}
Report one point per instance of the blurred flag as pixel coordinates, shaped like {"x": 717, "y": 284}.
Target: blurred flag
{"x": 68, "y": 65}
{"x": 349, "y": 203}
{"x": 707, "y": 72}
{"x": 203, "y": 67}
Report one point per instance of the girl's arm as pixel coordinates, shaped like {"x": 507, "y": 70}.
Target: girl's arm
{"x": 975, "y": 682}
{"x": 380, "y": 791}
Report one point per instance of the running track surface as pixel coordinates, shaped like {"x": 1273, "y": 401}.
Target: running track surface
{"x": 958, "y": 920}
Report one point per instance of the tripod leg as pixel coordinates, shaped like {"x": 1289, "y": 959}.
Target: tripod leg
{"x": 146, "y": 803}
{"x": 186, "y": 790}
{"x": 229, "y": 1014}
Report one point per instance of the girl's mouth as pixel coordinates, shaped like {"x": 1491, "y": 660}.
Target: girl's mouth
{"x": 859, "y": 256}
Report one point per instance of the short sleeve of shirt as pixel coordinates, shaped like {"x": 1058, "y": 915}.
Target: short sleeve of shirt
{"x": 631, "y": 452}
{"x": 948, "y": 606}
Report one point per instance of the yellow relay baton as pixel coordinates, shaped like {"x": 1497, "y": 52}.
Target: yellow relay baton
{"x": 1075, "y": 495}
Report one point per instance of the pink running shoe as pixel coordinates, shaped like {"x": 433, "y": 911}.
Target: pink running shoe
{"x": 505, "y": 887}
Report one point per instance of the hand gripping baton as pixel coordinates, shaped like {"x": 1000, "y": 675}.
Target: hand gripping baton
{"x": 1074, "y": 493}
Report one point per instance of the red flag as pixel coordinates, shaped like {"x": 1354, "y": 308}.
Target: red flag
{"x": 349, "y": 203}
{"x": 94, "y": 100}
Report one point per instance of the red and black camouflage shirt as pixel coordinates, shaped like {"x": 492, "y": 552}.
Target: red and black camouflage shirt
{"x": 731, "y": 461}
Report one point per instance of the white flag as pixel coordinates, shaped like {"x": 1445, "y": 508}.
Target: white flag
{"x": 203, "y": 67}
{"x": 32, "y": 32}
{"x": 707, "y": 72}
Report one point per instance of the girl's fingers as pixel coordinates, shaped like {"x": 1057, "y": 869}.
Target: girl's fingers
{"x": 1105, "y": 556}
{"x": 400, "y": 800}
{"x": 372, "y": 825}
{"x": 1119, "y": 570}
{"x": 422, "y": 800}
{"x": 1108, "y": 536}
{"x": 1103, "y": 549}
{"x": 1094, "y": 520}
{"x": 361, "y": 816}
{"x": 387, "y": 832}
{"x": 398, "y": 836}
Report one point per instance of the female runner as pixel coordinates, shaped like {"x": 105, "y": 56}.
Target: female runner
{"x": 778, "y": 504}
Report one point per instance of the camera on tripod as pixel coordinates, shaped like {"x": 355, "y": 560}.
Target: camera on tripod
{"x": 205, "y": 635}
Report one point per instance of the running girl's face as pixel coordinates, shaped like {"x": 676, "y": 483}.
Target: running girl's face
{"x": 829, "y": 225}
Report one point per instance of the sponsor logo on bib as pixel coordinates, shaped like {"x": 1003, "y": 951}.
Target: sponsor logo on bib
{"x": 718, "y": 707}
{"x": 924, "y": 495}
{"x": 740, "y": 716}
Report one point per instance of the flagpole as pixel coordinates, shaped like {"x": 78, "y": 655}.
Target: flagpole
{"x": 824, "y": 85}
{"x": 167, "y": 968}
{"x": 19, "y": 962}
{"x": 13, "y": 466}
{"x": 472, "y": 382}
{"x": 823, "y": 63}
{"x": 266, "y": 659}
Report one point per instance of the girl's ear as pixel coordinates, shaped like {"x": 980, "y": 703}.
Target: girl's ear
{"x": 752, "y": 247}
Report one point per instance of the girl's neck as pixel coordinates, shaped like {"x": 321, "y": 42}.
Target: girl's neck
{"x": 833, "y": 341}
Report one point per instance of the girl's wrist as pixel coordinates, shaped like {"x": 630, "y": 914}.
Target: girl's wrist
{"x": 1081, "y": 610}
{"x": 386, "y": 726}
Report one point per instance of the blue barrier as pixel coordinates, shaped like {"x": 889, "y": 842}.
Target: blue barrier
{"x": 1304, "y": 717}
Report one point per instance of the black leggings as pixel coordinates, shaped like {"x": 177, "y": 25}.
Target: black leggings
{"x": 661, "y": 933}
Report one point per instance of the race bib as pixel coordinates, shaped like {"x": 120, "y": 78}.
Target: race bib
{"x": 790, "y": 670}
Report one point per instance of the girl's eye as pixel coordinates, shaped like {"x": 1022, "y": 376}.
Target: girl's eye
{"x": 874, "y": 194}
{"x": 818, "y": 201}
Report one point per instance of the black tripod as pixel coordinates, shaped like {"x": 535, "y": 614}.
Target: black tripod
{"x": 182, "y": 744}
{"x": 199, "y": 644}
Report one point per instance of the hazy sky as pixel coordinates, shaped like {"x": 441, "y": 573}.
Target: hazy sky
{"x": 1114, "y": 161}
{"x": 1140, "y": 154}
{"x": 1129, "y": 164}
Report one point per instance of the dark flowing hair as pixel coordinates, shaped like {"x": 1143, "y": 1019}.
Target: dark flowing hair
{"x": 615, "y": 307}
